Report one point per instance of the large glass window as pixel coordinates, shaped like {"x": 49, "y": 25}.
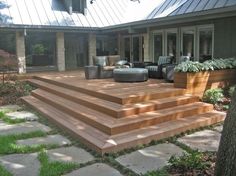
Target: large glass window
{"x": 136, "y": 48}
{"x": 171, "y": 44}
{"x": 205, "y": 44}
{"x": 158, "y": 46}
{"x": 127, "y": 48}
{"x": 188, "y": 43}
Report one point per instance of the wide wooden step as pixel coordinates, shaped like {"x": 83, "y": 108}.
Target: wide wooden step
{"x": 123, "y": 96}
{"x": 112, "y": 126}
{"x": 104, "y": 143}
{"x": 111, "y": 108}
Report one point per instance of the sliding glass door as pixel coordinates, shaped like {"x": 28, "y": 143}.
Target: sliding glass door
{"x": 133, "y": 48}
{"x": 188, "y": 40}
{"x": 158, "y": 46}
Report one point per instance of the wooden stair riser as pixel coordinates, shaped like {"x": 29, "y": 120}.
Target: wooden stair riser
{"x": 124, "y": 100}
{"x": 124, "y": 127}
{"x": 162, "y": 119}
{"x": 65, "y": 126}
{"x": 83, "y": 90}
{"x": 71, "y": 112}
{"x": 118, "y": 113}
{"x": 164, "y": 135}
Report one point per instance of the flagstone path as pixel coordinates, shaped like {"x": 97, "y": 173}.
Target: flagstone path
{"x": 140, "y": 161}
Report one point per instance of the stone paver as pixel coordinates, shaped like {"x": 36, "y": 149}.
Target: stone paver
{"x": 9, "y": 108}
{"x": 70, "y": 154}
{"x": 98, "y": 169}
{"x": 6, "y": 129}
{"x": 51, "y": 139}
{"x": 219, "y": 128}
{"x": 206, "y": 140}
{"x": 21, "y": 164}
{"x": 150, "y": 158}
{"x": 22, "y": 115}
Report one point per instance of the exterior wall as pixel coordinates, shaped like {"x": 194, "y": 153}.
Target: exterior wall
{"x": 20, "y": 52}
{"x": 60, "y": 51}
{"x": 225, "y": 38}
{"x": 91, "y": 47}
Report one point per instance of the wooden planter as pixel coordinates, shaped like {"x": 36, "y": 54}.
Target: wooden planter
{"x": 197, "y": 83}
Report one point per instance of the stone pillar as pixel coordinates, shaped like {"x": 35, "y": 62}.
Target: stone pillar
{"x": 146, "y": 47}
{"x": 20, "y": 52}
{"x": 92, "y": 46}
{"x": 60, "y": 51}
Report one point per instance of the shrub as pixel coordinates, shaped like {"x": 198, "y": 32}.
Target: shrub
{"x": 231, "y": 90}
{"x": 38, "y": 49}
{"x": 188, "y": 162}
{"x": 213, "y": 95}
{"x": 214, "y": 64}
{"x": 10, "y": 92}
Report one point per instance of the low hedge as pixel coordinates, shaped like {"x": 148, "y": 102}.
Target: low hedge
{"x": 214, "y": 64}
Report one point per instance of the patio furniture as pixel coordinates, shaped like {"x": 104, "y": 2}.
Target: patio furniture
{"x": 155, "y": 69}
{"x": 130, "y": 74}
{"x": 91, "y": 72}
{"x": 106, "y": 65}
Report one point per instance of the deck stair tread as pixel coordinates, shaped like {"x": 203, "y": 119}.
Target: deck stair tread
{"x": 122, "y": 97}
{"x": 76, "y": 126}
{"x": 112, "y": 108}
{"x": 113, "y": 125}
{"x": 105, "y": 143}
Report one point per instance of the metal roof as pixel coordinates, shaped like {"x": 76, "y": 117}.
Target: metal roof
{"x": 180, "y": 7}
{"x": 102, "y": 13}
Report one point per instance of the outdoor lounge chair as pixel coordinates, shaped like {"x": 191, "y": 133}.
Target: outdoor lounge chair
{"x": 155, "y": 69}
{"x": 106, "y": 65}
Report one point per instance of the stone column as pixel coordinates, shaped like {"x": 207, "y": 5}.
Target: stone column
{"x": 91, "y": 47}
{"x": 20, "y": 52}
{"x": 60, "y": 51}
{"x": 146, "y": 47}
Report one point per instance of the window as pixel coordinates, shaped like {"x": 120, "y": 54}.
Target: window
{"x": 171, "y": 43}
{"x": 78, "y": 6}
{"x": 158, "y": 46}
{"x": 188, "y": 39}
{"x": 205, "y": 44}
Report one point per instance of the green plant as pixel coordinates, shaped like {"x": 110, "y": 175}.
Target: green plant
{"x": 231, "y": 90}
{"x": 214, "y": 64}
{"x": 213, "y": 95}
{"x": 190, "y": 161}
{"x": 12, "y": 91}
{"x": 38, "y": 49}
{"x": 162, "y": 172}
{"x": 8, "y": 120}
{"x": 54, "y": 168}
{"x": 4, "y": 172}
{"x": 8, "y": 143}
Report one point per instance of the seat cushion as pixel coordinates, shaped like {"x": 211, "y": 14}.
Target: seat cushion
{"x": 109, "y": 68}
{"x": 152, "y": 67}
{"x": 164, "y": 60}
{"x": 112, "y": 60}
{"x": 100, "y": 61}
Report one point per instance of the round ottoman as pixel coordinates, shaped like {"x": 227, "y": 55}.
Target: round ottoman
{"x": 130, "y": 74}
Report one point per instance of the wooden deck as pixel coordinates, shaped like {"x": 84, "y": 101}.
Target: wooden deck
{"x": 109, "y": 116}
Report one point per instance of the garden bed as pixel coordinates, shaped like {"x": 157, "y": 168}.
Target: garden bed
{"x": 197, "y": 83}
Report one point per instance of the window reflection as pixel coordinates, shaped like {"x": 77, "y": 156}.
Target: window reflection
{"x": 205, "y": 45}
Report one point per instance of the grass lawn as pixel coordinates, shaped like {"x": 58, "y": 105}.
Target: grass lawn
{"x": 54, "y": 168}
{"x": 8, "y": 143}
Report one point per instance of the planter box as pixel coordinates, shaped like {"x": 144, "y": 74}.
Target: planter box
{"x": 197, "y": 83}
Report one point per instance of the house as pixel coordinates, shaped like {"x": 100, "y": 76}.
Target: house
{"x": 65, "y": 34}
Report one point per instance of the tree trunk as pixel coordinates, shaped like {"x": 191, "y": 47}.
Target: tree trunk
{"x": 226, "y": 156}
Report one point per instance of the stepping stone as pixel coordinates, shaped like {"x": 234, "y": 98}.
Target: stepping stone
{"x": 51, "y": 139}
{"x": 206, "y": 140}
{"x": 70, "y": 154}
{"x": 6, "y": 129}
{"x": 219, "y": 128}
{"x": 22, "y": 115}
{"x": 21, "y": 164}
{"x": 98, "y": 169}
{"x": 150, "y": 158}
{"x": 9, "y": 108}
